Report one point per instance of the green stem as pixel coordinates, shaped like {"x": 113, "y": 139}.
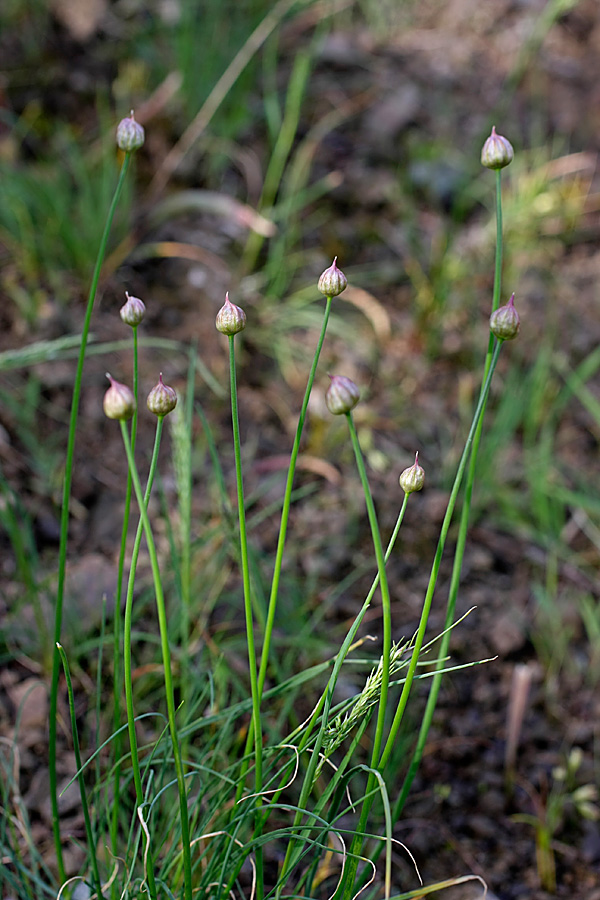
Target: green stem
{"x": 254, "y": 688}
{"x": 287, "y": 502}
{"x": 499, "y": 248}
{"x": 462, "y": 535}
{"x": 84, "y": 804}
{"x": 418, "y": 643}
{"x": 385, "y": 596}
{"x": 117, "y": 623}
{"x": 285, "y": 512}
{"x": 135, "y": 763}
{"x": 166, "y": 655}
{"x": 437, "y": 561}
{"x": 326, "y": 698}
{"x": 64, "y": 521}
{"x": 387, "y": 643}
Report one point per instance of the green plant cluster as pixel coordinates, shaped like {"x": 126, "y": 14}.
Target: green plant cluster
{"x": 276, "y": 792}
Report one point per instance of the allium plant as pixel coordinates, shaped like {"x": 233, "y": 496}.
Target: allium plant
{"x": 280, "y": 790}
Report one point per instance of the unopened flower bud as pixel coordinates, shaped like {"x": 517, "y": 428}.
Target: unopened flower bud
{"x": 130, "y": 134}
{"x": 230, "y": 318}
{"x": 162, "y": 399}
{"x": 119, "y": 402}
{"x": 505, "y": 322}
{"x": 342, "y": 395}
{"x": 413, "y": 478}
{"x": 497, "y": 151}
{"x": 133, "y": 311}
{"x": 333, "y": 281}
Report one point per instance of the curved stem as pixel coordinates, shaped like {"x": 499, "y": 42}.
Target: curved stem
{"x": 385, "y": 594}
{"x": 437, "y": 561}
{"x": 166, "y": 655}
{"x": 64, "y": 519}
{"x": 324, "y": 705}
{"x": 462, "y": 534}
{"x": 387, "y": 643}
{"x": 348, "y": 886}
{"x": 287, "y": 502}
{"x": 135, "y": 763}
{"x": 285, "y": 512}
{"x": 326, "y": 698}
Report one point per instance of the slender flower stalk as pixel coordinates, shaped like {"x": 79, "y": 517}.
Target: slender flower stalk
{"x": 336, "y": 284}
{"x": 418, "y": 643}
{"x": 462, "y": 531}
{"x": 287, "y": 502}
{"x": 64, "y": 519}
{"x": 285, "y": 513}
{"x": 166, "y": 655}
{"x": 385, "y": 675}
{"x": 258, "y": 777}
{"x": 127, "y": 672}
{"x": 385, "y": 593}
{"x": 117, "y": 681}
{"x": 324, "y": 703}
{"x": 463, "y": 524}
{"x": 332, "y": 282}
{"x": 348, "y": 889}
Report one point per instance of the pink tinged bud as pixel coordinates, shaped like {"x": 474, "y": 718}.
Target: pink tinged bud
{"x": 333, "y": 281}
{"x": 412, "y": 479}
{"x": 497, "y": 152}
{"x": 133, "y": 311}
{"x": 119, "y": 402}
{"x": 342, "y": 395}
{"x": 230, "y": 318}
{"x": 162, "y": 399}
{"x": 505, "y": 322}
{"x": 130, "y": 134}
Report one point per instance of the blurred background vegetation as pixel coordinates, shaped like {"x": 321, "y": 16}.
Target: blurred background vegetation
{"x": 279, "y": 135}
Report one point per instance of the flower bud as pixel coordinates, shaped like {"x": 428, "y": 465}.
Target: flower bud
{"x": 230, "y": 318}
{"x": 133, "y": 311}
{"x": 497, "y": 152}
{"x": 119, "y": 402}
{"x": 413, "y": 478}
{"x": 505, "y": 322}
{"x": 130, "y": 134}
{"x": 342, "y": 395}
{"x": 333, "y": 281}
{"x": 162, "y": 399}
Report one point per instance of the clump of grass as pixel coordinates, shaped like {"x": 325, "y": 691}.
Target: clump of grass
{"x": 260, "y": 803}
